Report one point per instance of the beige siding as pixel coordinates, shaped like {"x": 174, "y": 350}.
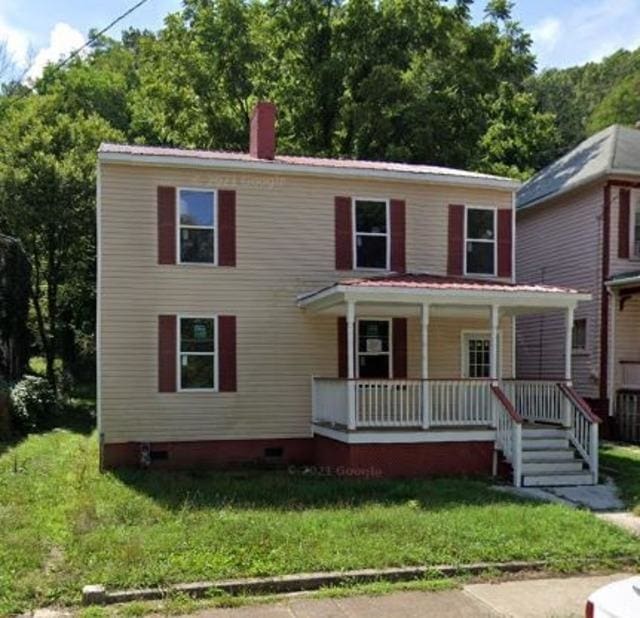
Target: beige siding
{"x": 285, "y": 246}
{"x": 627, "y": 334}
{"x": 560, "y": 243}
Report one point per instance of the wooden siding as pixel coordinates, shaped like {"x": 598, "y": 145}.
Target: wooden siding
{"x": 616, "y": 264}
{"x": 284, "y": 247}
{"x": 560, "y": 242}
{"x": 627, "y": 334}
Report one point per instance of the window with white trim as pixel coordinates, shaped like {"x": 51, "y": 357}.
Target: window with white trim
{"x": 371, "y": 231}
{"x": 480, "y": 241}
{"x": 635, "y": 226}
{"x": 579, "y": 335}
{"x": 374, "y": 348}
{"x": 197, "y": 353}
{"x": 197, "y": 226}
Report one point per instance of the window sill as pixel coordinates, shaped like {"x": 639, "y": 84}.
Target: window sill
{"x": 581, "y": 352}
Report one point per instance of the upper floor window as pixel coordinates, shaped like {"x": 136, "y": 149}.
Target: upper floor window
{"x": 635, "y": 230}
{"x": 480, "y": 241}
{"x": 371, "y": 231}
{"x": 197, "y": 226}
{"x": 197, "y": 353}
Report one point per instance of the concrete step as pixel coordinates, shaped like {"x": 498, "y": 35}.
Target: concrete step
{"x": 557, "y": 479}
{"x": 552, "y": 454}
{"x": 536, "y": 444}
{"x": 542, "y": 466}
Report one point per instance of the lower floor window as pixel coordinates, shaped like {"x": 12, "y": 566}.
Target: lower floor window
{"x": 477, "y": 355}
{"x": 197, "y": 353}
{"x": 374, "y": 349}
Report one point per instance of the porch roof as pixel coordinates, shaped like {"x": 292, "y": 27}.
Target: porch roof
{"x": 623, "y": 280}
{"x": 417, "y": 288}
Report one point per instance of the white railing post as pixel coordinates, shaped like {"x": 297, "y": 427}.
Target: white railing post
{"x": 351, "y": 395}
{"x": 593, "y": 455}
{"x": 426, "y": 392}
{"x": 494, "y": 352}
{"x": 517, "y": 454}
{"x": 568, "y": 349}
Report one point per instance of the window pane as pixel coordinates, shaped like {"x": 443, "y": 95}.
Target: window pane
{"x": 480, "y": 258}
{"x": 371, "y": 252}
{"x": 197, "y": 335}
{"x": 196, "y": 245}
{"x": 371, "y": 217}
{"x": 480, "y": 224}
{"x": 196, "y": 208}
{"x": 373, "y": 336}
{"x": 579, "y": 340}
{"x": 196, "y": 371}
{"x": 479, "y": 358}
{"x": 374, "y": 366}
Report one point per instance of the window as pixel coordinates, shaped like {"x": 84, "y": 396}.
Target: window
{"x": 371, "y": 234}
{"x": 374, "y": 348}
{"x": 197, "y": 353}
{"x": 579, "y": 336}
{"x": 635, "y": 230}
{"x": 197, "y": 229}
{"x": 480, "y": 241}
{"x": 476, "y": 355}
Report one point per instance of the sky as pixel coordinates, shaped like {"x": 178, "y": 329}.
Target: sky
{"x": 564, "y": 32}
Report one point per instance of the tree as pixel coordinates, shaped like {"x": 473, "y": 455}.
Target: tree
{"x": 620, "y": 106}
{"x": 47, "y": 200}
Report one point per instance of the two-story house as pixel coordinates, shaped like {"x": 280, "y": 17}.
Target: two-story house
{"x": 578, "y": 224}
{"x": 353, "y": 315}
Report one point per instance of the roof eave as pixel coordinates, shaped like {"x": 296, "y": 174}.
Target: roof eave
{"x": 274, "y": 167}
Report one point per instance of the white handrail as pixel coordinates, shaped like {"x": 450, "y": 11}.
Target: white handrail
{"x": 508, "y": 432}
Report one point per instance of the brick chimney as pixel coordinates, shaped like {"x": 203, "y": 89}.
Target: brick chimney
{"x": 262, "y": 144}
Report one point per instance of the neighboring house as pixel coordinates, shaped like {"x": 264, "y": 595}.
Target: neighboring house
{"x": 352, "y": 315}
{"x": 578, "y": 224}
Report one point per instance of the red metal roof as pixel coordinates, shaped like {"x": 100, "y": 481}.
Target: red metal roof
{"x": 441, "y": 282}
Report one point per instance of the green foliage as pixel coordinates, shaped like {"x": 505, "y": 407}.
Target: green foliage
{"x": 33, "y": 404}
{"x": 620, "y": 106}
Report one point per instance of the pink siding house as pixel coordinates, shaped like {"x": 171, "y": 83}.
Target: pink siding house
{"x": 578, "y": 224}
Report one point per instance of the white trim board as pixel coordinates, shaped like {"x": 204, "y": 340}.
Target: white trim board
{"x": 405, "y": 437}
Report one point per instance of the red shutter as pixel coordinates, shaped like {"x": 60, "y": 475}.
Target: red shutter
{"x": 398, "y": 227}
{"x": 343, "y": 371}
{"x": 227, "y": 228}
{"x": 167, "y": 353}
{"x": 505, "y": 242}
{"x": 455, "y": 258}
{"x": 227, "y": 370}
{"x": 624, "y": 224}
{"x": 343, "y": 232}
{"x": 399, "y": 337}
{"x": 166, "y": 225}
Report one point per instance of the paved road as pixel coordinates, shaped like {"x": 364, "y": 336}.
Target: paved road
{"x": 537, "y": 598}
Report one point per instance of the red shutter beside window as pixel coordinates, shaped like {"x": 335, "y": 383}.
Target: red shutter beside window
{"x": 167, "y": 353}
{"x": 343, "y": 233}
{"x": 398, "y": 234}
{"x": 343, "y": 370}
{"x": 227, "y": 228}
{"x": 624, "y": 225}
{"x": 455, "y": 258}
{"x": 399, "y": 337}
{"x": 505, "y": 242}
{"x": 166, "y": 225}
{"x": 227, "y": 370}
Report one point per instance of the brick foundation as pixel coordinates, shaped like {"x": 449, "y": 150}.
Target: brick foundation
{"x": 404, "y": 460}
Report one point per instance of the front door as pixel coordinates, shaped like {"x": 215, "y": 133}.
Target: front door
{"x": 476, "y": 355}
{"x": 374, "y": 349}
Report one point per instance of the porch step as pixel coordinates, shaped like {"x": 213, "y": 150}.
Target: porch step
{"x": 555, "y": 454}
{"x": 557, "y": 479}
{"x": 540, "y": 466}
{"x": 540, "y": 431}
{"x": 534, "y": 443}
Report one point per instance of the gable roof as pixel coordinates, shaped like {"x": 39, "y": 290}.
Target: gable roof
{"x": 614, "y": 150}
{"x": 154, "y": 155}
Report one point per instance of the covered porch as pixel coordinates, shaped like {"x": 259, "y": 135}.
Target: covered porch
{"x": 477, "y": 398}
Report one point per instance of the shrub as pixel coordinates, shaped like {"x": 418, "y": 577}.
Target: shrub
{"x": 33, "y": 404}
{"x": 5, "y": 429}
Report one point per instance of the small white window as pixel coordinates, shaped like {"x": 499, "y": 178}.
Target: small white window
{"x": 371, "y": 234}
{"x": 579, "y": 335}
{"x": 197, "y": 353}
{"x": 374, "y": 348}
{"x": 635, "y": 227}
{"x": 480, "y": 241}
{"x": 197, "y": 226}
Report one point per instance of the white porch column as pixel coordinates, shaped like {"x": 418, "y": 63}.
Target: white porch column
{"x": 426, "y": 404}
{"x": 351, "y": 374}
{"x": 613, "y": 362}
{"x": 568, "y": 343}
{"x": 495, "y": 323}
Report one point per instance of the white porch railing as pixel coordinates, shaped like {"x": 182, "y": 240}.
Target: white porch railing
{"x": 508, "y": 432}
{"x": 536, "y": 400}
{"x": 630, "y": 374}
{"x": 459, "y": 402}
{"x": 388, "y": 403}
{"x": 330, "y": 400}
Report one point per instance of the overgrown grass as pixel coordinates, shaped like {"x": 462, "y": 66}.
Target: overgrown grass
{"x": 65, "y": 525}
{"x": 624, "y": 463}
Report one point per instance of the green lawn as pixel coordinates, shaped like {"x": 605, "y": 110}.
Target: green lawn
{"x": 64, "y": 525}
{"x": 624, "y": 463}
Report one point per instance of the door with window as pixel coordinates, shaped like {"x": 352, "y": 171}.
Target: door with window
{"x": 476, "y": 355}
{"x": 374, "y": 349}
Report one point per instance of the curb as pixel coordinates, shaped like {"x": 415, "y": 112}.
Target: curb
{"x": 97, "y": 594}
